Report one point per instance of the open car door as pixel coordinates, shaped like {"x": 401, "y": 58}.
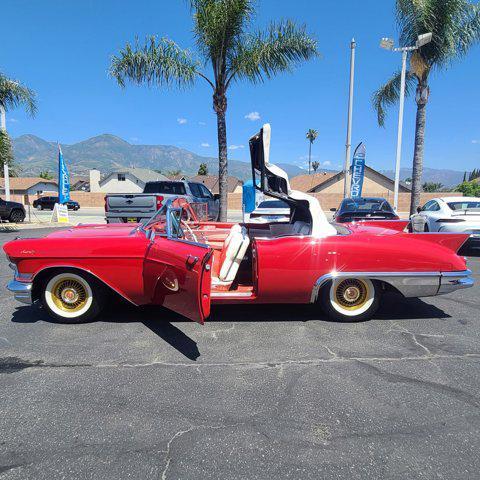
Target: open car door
{"x": 267, "y": 178}
{"x": 177, "y": 272}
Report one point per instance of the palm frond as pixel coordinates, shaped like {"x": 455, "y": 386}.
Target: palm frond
{"x": 389, "y": 93}
{"x": 13, "y": 94}
{"x": 278, "y": 49}
{"x": 160, "y": 62}
{"x": 218, "y": 25}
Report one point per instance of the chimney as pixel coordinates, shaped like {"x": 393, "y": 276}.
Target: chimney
{"x": 95, "y": 180}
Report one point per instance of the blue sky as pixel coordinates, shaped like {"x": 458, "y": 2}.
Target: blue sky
{"x": 62, "y": 50}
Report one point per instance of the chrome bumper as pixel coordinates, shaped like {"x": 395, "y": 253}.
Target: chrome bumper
{"x": 21, "y": 291}
{"x": 410, "y": 284}
{"x": 451, "y": 281}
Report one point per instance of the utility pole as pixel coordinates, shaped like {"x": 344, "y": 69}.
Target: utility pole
{"x": 6, "y": 175}
{"x": 348, "y": 145}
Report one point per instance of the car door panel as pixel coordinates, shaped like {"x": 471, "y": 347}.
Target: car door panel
{"x": 177, "y": 275}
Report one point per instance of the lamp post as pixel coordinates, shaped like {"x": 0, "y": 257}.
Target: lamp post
{"x": 348, "y": 144}
{"x": 388, "y": 44}
{"x": 6, "y": 174}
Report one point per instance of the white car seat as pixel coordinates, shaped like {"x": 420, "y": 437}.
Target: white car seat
{"x": 234, "y": 249}
{"x": 301, "y": 228}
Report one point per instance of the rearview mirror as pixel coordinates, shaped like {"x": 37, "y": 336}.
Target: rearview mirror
{"x": 419, "y": 209}
{"x": 216, "y": 196}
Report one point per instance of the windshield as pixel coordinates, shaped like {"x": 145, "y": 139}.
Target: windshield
{"x": 464, "y": 205}
{"x": 365, "y": 205}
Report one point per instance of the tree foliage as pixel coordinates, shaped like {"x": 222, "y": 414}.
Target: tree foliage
{"x": 13, "y": 94}
{"x": 46, "y": 175}
{"x": 469, "y": 189}
{"x": 315, "y": 165}
{"x": 203, "y": 169}
{"x": 432, "y": 187}
{"x": 6, "y": 155}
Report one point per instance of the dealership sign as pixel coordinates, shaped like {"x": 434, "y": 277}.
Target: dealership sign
{"x": 358, "y": 171}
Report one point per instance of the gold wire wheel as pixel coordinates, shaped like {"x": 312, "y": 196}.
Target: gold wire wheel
{"x": 351, "y": 293}
{"x": 69, "y": 295}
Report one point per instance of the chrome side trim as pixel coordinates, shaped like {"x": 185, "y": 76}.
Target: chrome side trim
{"x": 21, "y": 291}
{"x": 410, "y": 284}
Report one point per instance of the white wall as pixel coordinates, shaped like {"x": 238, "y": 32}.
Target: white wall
{"x": 130, "y": 185}
{"x": 45, "y": 188}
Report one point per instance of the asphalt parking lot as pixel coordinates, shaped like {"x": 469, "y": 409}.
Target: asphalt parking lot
{"x": 259, "y": 392}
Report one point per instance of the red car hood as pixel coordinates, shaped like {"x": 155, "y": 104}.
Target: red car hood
{"x": 94, "y": 230}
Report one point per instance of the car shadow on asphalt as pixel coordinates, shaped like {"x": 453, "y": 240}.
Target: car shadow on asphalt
{"x": 162, "y": 322}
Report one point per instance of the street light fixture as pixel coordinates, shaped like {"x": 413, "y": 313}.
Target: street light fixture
{"x": 389, "y": 44}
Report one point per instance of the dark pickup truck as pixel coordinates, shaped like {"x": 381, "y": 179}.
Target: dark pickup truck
{"x": 137, "y": 207}
{"x": 12, "y": 211}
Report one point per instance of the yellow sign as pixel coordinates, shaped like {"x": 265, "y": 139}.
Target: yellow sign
{"x": 60, "y": 213}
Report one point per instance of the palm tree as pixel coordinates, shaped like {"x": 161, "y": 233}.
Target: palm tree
{"x": 13, "y": 94}
{"x": 233, "y": 53}
{"x": 455, "y": 25}
{"x": 315, "y": 166}
{"x": 311, "y": 137}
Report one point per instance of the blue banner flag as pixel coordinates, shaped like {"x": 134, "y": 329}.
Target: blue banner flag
{"x": 63, "y": 179}
{"x": 358, "y": 171}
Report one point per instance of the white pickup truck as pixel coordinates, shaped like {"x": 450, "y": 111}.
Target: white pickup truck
{"x": 137, "y": 207}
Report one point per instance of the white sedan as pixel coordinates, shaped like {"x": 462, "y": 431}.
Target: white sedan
{"x": 450, "y": 214}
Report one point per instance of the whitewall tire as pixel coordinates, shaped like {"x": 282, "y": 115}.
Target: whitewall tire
{"x": 350, "y": 299}
{"x": 72, "y": 298}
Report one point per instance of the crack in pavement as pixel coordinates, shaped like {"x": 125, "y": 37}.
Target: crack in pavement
{"x": 454, "y": 392}
{"x": 14, "y": 364}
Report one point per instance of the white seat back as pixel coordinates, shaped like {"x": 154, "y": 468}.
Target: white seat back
{"x": 234, "y": 250}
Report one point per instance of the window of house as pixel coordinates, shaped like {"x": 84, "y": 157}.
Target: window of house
{"x": 121, "y": 177}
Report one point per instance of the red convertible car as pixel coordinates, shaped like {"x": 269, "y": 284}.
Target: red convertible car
{"x": 185, "y": 265}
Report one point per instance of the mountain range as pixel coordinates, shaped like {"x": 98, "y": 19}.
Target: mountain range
{"x": 107, "y": 152}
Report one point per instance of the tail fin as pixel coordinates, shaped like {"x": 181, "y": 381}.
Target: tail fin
{"x": 452, "y": 241}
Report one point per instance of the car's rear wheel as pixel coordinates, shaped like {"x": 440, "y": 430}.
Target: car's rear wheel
{"x": 17, "y": 216}
{"x": 39, "y": 207}
{"x": 350, "y": 299}
{"x": 72, "y": 297}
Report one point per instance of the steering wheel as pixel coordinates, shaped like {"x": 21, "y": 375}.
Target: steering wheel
{"x": 190, "y": 231}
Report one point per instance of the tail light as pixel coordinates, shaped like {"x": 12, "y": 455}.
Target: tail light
{"x": 159, "y": 201}
{"x": 450, "y": 220}
{"x": 106, "y": 203}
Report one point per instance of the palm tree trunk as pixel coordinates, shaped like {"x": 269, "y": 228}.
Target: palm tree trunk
{"x": 220, "y": 107}
{"x": 417, "y": 172}
{"x": 309, "y": 157}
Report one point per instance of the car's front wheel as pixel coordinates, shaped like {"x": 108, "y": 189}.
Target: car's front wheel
{"x": 39, "y": 207}
{"x": 350, "y": 299}
{"x": 72, "y": 297}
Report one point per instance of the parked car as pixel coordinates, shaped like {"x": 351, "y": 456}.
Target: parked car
{"x": 48, "y": 203}
{"x": 450, "y": 214}
{"x": 12, "y": 211}
{"x": 185, "y": 265}
{"x": 270, "y": 211}
{"x": 138, "y": 207}
{"x": 364, "y": 208}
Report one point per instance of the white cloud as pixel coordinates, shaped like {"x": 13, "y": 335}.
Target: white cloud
{"x": 182, "y": 121}
{"x": 327, "y": 163}
{"x": 13, "y": 120}
{"x": 475, "y": 141}
{"x": 305, "y": 157}
{"x": 134, "y": 139}
{"x": 235, "y": 147}
{"x": 202, "y": 123}
{"x": 205, "y": 144}
{"x": 253, "y": 116}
